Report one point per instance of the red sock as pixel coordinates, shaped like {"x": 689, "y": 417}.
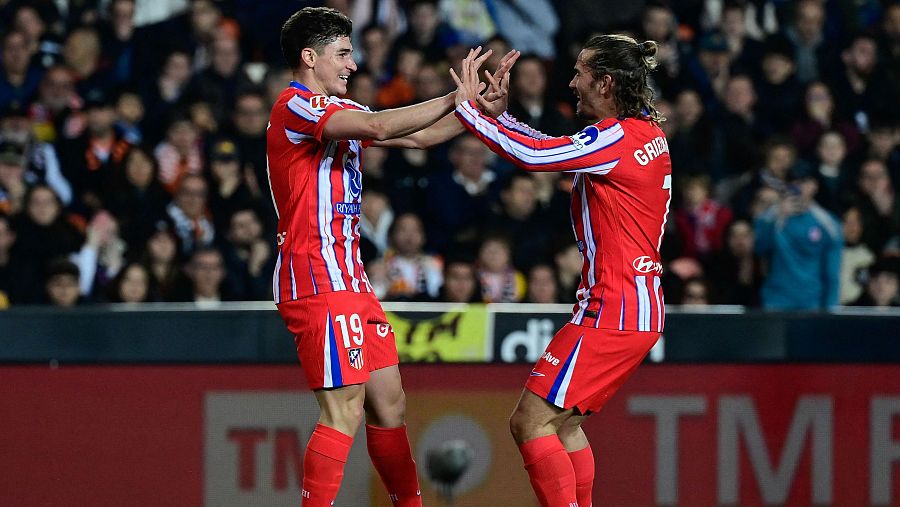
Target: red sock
{"x": 583, "y": 463}
{"x": 550, "y": 471}
{"x": 390, "y": 453}
{"x": 323, "y": 466}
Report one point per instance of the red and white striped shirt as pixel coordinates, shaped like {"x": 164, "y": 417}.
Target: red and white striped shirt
{"x": 316, "y": 186}
{"x": 620, "y": 200}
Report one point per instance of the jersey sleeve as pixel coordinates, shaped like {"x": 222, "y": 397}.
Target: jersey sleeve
{"x": 596, "y": 149}
{"x": 307, "y": 116}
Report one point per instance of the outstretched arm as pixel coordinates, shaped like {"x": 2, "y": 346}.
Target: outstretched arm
{"x": 448, "y": 127}
{"x": 398, "y": 122}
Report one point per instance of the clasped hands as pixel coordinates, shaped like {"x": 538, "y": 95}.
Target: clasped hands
{"x": 470, "y": 88}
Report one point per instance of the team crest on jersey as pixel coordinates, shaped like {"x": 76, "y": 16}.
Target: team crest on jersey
{"x": 585, "y": 138}
{"x": 318, "y": 102}
{"x": 356, "y": 357}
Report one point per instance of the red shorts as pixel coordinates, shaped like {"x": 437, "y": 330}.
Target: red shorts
{"x": 341, "y": 336}
{"x": 583, "y": 367}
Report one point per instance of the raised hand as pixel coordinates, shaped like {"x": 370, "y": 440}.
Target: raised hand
{"x": 467, "y": 85}
{"x": 496, "y": 100}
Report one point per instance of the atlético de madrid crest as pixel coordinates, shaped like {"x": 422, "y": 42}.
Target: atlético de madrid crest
{"x": 356, "y": 357}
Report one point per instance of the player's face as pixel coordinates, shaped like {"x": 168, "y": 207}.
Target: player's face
{"x": 584, "y": 86}
{"x": 334, "y": 66}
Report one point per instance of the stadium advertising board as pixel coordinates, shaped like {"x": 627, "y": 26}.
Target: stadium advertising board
{"x": 449, "y": 336}
{"x": 689, "y": 435}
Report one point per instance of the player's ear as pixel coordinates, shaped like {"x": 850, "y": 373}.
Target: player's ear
{"x": 308, "y": 57}
{"x": 604, "y": 85}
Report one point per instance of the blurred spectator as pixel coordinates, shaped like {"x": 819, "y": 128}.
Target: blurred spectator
{"x": 884, "y": 145}
{"x": 427, "y": 32}
{"x": 693, "y": 143}
{"x": 528, "y": 25}
{"x": 93, "y": 158}
{"x": 832, "y": 170}
{"x": 779, "y": 86}
{"x": 780, "y": 160}
{"x": 803, "y": 243}
{"x": 876, "y": 199}
{"x": 399, "y": 90}
{"x": 206, "y": 272}
{"x": 41, "y": 163}
{"x": 33, "y": 19}
{"x": 500, "y": 281}
{"x": 250, "y": 258}
{"x": 362, "y": 88}
{"x": 818, "y": 117}
{"x": 736, "y": 271}
{"x": 759, "y": 16}
{"x": 807, "y": 34}
{"x": 890, "y": 35}
{"x": 251, "y": 118}
{"x": 10, "y": 289}
{"x": 62, "y": 284}
{"x": 865, "y": 88}
{"x": 219, "y": 83}
{"x": 412, "y": 274}
{"x": 529, "y": 101}
{"x": 701, "y": 221}
{"x": 746, "y": 51}
{"x": 101, "y": 257}
{"x": 12, "y": 178}
{"x": 459, "y": 198}
{"x": 160, "y": 257}
{"x": 741, "y": 128}
{"x": 166, "y": 92}
{"x": 81, "y": 53}
{"x": 855, "y": 257}
{"x": 118, "y": 42}
{"x": 18, "y": 79}
{"x": 658, "y": 24}
{"x": 131, "y": 285}
{"x": 137, "y": 200}
{"x": 881, "y": 286}
{"x": 696, "y": 293}
{"x": 568, "y": 262}
{"x": 179, "y": 155}
{"x": 542, "y": 286}
{"x": 709, "y": 71}
{"x": 189, "y": 214}
{"x": 56, "y": 101}
{"x": 376, "y": 215}
{"x": 229, "y": 190}
{"x": 375, "y": 48}
{"x": 460, "y": 283}
{"x": 387, "y": 13}
{"x": 518, "y": 218}
{"x": 43, "y": 233}
{"x": 129, "y": 115}
{"x": 470, "y": 19}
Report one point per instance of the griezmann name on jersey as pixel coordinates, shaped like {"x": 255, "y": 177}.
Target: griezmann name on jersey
{"x": 621, "y": 193}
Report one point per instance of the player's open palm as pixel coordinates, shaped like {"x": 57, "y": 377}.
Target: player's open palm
{"x": 495, "y": 101}
{"x": 468, "y": 87}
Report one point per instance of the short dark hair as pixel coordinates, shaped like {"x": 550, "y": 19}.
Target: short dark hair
{"x": 629, "y": 62}
{"x": 312, "y": 27}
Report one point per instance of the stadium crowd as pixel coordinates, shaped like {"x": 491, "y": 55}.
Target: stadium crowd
{"x": 132, "y": 150}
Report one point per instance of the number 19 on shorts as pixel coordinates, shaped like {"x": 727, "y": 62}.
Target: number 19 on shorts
{"x": 351, "y": 329}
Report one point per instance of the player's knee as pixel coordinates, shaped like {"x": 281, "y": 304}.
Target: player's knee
{"x": 520, "y": 426}
{"x": 387, "y": 412}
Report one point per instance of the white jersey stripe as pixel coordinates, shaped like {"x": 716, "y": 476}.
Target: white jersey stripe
{"x": 325, "y": 217}
{"x": 548, "y": 156}
{"x": 300, "y": 107}
{"x": 296, "y": 137}
{"x": 329, "y": 382}
{"x": 656, "y": 284}
{"x": 347, "y": 227}
{"x": 590, "y": 248}
{"x": 293, "y": 279}
{"x": 560, "y": 400}
{"x": 276, "y": 280}
{"x": 643, "y": 297}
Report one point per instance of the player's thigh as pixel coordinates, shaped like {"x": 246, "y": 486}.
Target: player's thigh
{"x": 385, "y": 400}
{"x": 329, "y": 333}
{"x": 535, "y": 417}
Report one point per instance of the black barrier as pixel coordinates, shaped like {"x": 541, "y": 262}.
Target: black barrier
{"x": 253, "y": 333}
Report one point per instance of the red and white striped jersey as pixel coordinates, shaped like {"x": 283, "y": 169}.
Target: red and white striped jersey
{"x": 316, "y": 185}
{"x": 620, "y": 200}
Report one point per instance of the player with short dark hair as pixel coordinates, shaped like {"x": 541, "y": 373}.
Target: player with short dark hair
{"x": 315, "y": 142}
{"x": 620, "y": 199}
